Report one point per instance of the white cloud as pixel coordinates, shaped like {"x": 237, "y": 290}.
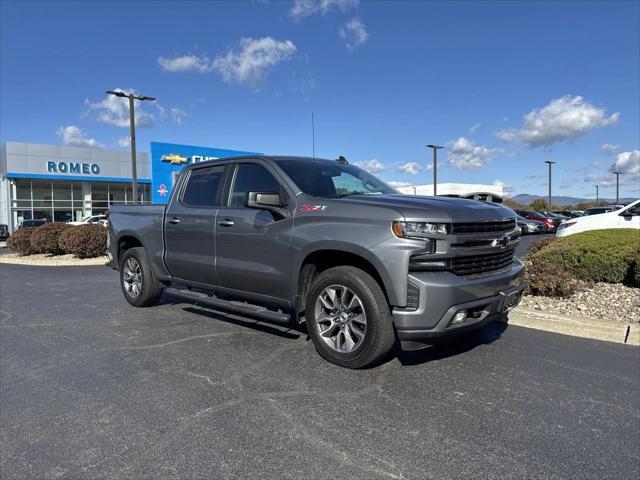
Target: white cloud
{"x": 563, "y": 119}
{"x": 464, "y": 155}
{"x": 371, "y": 166}
{"x": 627, "y": 163}
{"x": 354, "y": 33}
{"x": 178, "y": 115}
{"x": 410, "y": 167}
{"x": 603, "y": 180}
{"x": 115, "y": 110}
{"x": 186, "y": 63}
{"x": 73, "y": 135}
{"x": 251, "y": 62}
{"x": 397, "y": 184}
{"x": 474, "y": 127}
{"x": 609, "y": 149}
{"x": 124, "y": 142}
{"x": 305, "y": 8}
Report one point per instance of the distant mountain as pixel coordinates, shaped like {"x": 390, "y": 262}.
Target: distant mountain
{"x": 526, "y": 199}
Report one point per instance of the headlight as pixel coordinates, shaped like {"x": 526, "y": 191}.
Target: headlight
{"x": 417, "y": 229}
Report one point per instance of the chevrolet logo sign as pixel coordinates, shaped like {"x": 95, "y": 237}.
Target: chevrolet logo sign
{"x": 175, "y": 159}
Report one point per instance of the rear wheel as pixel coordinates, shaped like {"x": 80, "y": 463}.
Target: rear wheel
{"x": 139, "y": 286}
{"x": 348, "y": 318}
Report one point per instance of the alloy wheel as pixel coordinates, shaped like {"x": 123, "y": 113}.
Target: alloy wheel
{"x": 340, "y": 318}
{"x": 132, "y": 277}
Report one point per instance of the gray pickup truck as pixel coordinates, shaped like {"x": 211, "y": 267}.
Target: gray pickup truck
{"x": 290, "y": 239}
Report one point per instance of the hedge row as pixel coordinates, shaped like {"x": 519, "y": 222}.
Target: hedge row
{"x": 556, "y": 267}
{"x": 83, "y": 241}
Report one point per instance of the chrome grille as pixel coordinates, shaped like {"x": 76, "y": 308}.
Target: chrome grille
{"x": 481, "y": 263}
{"x": 481, "y": 227}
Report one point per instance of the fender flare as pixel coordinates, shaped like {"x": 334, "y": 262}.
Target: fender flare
{"x": 349, "y": 248}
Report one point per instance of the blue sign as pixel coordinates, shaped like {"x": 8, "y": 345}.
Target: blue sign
{"x": 167, "y": 159}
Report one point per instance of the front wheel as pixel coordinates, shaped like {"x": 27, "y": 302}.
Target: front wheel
{"x": 139, "y": 286}
{"x": 348, "y": 318}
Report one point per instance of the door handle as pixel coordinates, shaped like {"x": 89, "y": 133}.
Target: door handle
{"x": 174, "y": 220}
{"x": 226, "y": 223}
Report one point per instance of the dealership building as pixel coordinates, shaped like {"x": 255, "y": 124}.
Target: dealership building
{"x": 64, "y": 183}
{"x": 475, "y": 191}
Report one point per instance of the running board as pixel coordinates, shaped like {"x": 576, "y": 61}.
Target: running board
{"x": 217, "y": 303}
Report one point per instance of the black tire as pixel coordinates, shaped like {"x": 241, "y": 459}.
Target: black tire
{"x": 379, "y": 337}
{"x": 150, "y": 290}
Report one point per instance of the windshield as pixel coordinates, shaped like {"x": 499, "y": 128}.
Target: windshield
{"x": 327, "y": 179}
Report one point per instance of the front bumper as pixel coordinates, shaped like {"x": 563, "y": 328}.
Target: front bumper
{"x": 442, "y": 295}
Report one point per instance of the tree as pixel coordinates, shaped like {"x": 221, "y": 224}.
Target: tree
{"x": 512, "y": 204}
{"x": 538, "y": 204}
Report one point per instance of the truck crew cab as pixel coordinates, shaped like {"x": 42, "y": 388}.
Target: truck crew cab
{"x": 290, "y": 239}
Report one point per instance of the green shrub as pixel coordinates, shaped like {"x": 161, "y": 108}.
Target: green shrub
{"x": 610, "y": 256}
{"x": 44, "y": 239}
{"x": 20, "y": 241}
{"x": 84, "y": 241}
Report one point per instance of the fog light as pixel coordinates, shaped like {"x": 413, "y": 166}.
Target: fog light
{"x": 459, "y": 317}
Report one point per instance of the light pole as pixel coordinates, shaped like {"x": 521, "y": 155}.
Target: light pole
{"x": 132, "y": 125}
{"x": 597, "y": 196}
{"x": 435, "y": 166}
{"x": 549, "y": 162}
{"x": 617, "y": 174}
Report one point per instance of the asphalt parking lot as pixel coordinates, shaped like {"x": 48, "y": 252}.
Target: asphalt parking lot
{"x": 92, "y": 388}
{"x": 527, "y": 240}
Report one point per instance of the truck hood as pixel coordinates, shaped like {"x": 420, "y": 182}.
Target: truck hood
{"x": 436, "y": 209}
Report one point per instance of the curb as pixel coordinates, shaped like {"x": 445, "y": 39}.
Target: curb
{"x": 628, "y": 334}
{"x": 52, "y": 261}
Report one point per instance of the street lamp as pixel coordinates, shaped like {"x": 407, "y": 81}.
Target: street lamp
{"x": 617, "y": 174}
{"x": 549, "y": 162}
{"x": 435, "y": 166}
{"x": 597, "y": 195}
{"x": 132, "y": 125}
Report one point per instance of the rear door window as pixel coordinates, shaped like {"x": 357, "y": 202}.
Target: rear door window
{"x": 204, "y": 187}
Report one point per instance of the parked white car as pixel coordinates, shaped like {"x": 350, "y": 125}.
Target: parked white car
{"x": 626, "y": 217}
{"x": 96, "y": 219}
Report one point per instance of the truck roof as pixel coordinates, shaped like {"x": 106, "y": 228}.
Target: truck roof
{"x": 275, "y": 158}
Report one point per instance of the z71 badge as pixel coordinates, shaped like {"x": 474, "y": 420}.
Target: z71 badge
{"x": 313, "y": 208}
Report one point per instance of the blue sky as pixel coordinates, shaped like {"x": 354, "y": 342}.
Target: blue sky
{"x": 503, "y": 85}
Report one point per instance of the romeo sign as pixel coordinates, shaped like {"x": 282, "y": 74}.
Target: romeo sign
{"x": 72, "y": 168}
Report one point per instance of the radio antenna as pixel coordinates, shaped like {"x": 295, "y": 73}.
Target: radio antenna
{"x": 313, "y": 136}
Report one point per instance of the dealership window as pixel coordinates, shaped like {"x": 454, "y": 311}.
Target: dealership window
{"x": 64, "y": 201}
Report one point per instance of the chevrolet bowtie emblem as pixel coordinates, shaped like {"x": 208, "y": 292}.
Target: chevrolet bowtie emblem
{"x": 175, "y": 159}
{"x": 502, "y": 242}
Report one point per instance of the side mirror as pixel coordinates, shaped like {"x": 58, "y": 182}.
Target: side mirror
{"x": 265, "y": 200}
